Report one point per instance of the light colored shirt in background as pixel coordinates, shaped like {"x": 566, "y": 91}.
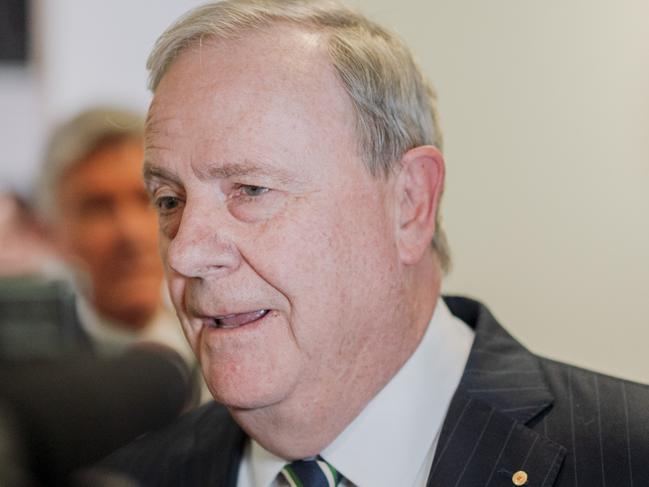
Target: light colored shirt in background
{"x": 109, "y": 338}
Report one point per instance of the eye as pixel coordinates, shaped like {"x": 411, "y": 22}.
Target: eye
{"x": 166, "y": 204}
{"x": 96, "y": 206}
{"x": 252, "y": 191}
{"x": 252, "y": 202}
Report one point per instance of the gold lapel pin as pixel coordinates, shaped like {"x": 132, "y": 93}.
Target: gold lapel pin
{"x": 519, "y": 478}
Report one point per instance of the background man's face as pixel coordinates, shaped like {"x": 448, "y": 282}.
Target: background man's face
{"x": 278, "y": 245}
{"x": 108, "y": 228}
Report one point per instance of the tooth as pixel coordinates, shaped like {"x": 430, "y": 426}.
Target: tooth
{"x": 239, "y": 319}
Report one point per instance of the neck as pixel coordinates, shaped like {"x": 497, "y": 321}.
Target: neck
{"x": 307, "y": 423}
{"x": 132, "y": 319}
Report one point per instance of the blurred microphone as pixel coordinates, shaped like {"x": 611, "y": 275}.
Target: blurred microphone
{"x": 70, "y": 414}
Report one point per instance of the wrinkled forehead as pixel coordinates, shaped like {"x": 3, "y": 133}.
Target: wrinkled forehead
{"x": 257, "y": 61}
{"x": 252, "y": 80}
{"x": 272, "y": 98}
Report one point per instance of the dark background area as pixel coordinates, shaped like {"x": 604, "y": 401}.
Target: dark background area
{"x": 13, "y": 31}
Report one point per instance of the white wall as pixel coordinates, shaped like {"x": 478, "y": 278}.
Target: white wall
{"x": 21, "y": 131}
{"x": 546, "y": 113}
{"x": 545, "y": 106}
{"x": 85, "y": 52}
{"x": 94, "y": 51}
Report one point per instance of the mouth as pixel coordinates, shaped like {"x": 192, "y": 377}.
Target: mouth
{"x": 235, "y": 320}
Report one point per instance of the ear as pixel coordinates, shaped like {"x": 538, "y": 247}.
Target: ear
{"x": 418, "y": 190}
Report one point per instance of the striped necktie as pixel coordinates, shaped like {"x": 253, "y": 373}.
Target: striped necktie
{"x": 314, "y": 472}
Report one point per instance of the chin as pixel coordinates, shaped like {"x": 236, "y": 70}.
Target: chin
{"x": 238, "y": 390}
{"x": 139, "y": 285}
{"x": 143, "y": 304}
{"x": 135, "y": 313}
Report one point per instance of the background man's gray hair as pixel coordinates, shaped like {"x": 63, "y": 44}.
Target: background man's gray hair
{"x": 395, "y": 105}
{"x": 74, "y": 140}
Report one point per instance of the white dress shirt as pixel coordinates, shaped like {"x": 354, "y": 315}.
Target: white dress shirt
{"x": 392, "y": 442}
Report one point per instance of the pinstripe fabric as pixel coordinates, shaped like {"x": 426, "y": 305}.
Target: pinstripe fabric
{"x": 202, "y": 449}
{"x": 564, "y": 426}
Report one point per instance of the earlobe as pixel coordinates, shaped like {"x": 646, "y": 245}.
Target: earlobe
{"x": 419, "y": 187}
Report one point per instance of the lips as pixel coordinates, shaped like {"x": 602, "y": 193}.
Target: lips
{"x": 236, "y": 320}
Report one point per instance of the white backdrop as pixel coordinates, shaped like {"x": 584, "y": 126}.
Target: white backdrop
{"x": 546, "y": 113}
{"x": 545, "y": 106}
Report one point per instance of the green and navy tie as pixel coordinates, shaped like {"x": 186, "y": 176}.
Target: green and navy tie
{"x": 314, "y": 472}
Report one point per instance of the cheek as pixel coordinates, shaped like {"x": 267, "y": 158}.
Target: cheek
{"x": 149, "y": 226}
{"x": 90, "y": 240}
{"x": 94, "y": 250}
{"x": 292, "y": 253}
{"x": 175, "y": 284}
{"x": 163, "y": 247}
{"x": 323, "y": 243}
{"x": 176, "y": 287}
{"x": 318, "y": 260}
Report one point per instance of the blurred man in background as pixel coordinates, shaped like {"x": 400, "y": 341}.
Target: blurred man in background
{"x": 62, "y": 408}
{"x": 95, "y": 205}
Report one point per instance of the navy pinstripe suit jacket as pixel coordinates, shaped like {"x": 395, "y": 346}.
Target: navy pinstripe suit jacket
{"x": 512, "y": 411}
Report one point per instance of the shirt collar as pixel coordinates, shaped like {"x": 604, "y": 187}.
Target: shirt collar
{"x": 107, "y": 336}
{"x": 398, "y": 426}
{"x": 110, "y": 338}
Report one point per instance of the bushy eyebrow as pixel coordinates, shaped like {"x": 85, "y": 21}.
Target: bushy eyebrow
{"x": 242, "y": 169}
{"x": 152, "y": 172}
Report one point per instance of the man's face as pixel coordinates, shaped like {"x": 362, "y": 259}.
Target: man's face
{"x": 278, "y": 244}
{"x": 107, "y": 227}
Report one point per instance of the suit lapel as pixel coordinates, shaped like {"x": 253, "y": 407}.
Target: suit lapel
{"x": 485, "y": 440}
{"x": 216, "y": 457}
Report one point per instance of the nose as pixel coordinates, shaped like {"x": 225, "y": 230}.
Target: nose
{"x": 202, "y": 247}
{"x": 134, "y": 223}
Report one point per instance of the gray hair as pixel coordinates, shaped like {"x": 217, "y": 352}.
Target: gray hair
{"x": 395, "y": 104}
{"x": 73, "y": 140}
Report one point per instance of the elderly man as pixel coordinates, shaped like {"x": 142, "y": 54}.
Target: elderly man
{"x": 101, "y": 221}
{"x": 293, "y": 154}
